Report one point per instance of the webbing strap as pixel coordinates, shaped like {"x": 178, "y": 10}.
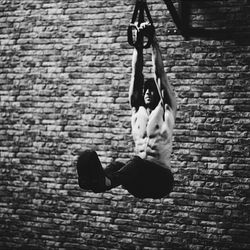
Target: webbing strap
{"x": 140, "y": 6}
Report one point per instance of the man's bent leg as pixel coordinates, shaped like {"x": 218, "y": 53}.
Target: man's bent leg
{"x": 91, "y": 175}
{"x": 133, "y": 175}
{"x": 125, "y": 174}
{"x": 110, "y": 171}
{"x": 144, "y": 179}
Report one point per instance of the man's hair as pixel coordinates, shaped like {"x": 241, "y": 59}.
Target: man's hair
{"x": 149, "y": 84}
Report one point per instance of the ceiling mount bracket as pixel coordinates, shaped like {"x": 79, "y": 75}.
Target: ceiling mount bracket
{"x": 181, "y": 18}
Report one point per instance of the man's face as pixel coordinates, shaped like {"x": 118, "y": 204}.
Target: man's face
{"x": 150, "y": 97}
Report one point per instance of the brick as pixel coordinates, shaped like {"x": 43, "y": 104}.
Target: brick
{"x": 64, "y": 78}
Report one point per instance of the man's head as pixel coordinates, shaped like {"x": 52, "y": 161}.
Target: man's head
{"x": 150, "y": 94}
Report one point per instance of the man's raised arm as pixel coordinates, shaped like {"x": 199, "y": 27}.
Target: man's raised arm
{"x": 161, "y": 77}
{"x": 137, "y": 79}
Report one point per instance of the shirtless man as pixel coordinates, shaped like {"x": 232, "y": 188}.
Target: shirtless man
{"x": 153, "y": 103}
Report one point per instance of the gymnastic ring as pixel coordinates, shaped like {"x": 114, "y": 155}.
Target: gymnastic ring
{"x": 130, "y": 34}
{"x": 149, "y": 34}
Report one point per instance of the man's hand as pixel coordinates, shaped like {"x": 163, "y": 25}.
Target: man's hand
{"x": 147, "y": 29}
{"x": 144, "y": 25}
{"x": 136, "y": 32}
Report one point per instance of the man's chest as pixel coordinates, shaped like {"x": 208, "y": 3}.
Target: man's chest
{"x": 149, "y": 125}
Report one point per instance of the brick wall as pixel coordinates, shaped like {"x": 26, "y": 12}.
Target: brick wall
{"x": 64, "y": 76}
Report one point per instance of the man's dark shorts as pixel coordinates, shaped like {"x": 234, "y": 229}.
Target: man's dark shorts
{"x": 150, "y": 180}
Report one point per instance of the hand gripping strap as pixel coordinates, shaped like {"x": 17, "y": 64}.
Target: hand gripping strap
{"x": 149, "y": 32}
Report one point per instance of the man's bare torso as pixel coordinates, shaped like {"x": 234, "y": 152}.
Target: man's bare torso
{"x": 152, "y": 134}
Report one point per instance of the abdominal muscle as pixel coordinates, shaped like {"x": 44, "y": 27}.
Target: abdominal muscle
{"x": 152, "y": 136}
{"x": 159, "y": 153}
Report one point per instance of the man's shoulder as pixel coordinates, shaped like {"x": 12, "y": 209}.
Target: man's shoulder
{"x": 138, "y": 109}
{"x": 169, "y": 110}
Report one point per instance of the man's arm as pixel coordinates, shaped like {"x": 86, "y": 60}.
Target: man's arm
{"x": 161, "y": 77}
{"x": 137, "y": 79}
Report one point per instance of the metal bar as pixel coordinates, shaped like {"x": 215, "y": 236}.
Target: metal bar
{"x": 174, "y": 14}
{"x": 201, "y": 0}
{"x": 218, "y": 33}
{"x": 182, "y": 22}
{"x": 184, "y": 13}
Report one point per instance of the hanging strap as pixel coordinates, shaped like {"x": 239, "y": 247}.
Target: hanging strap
{"x": 140, "y": 6}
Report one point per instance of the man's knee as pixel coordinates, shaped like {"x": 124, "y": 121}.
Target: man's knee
{"x": 87, "y": 158}
{"x": 85, "y": 155}
{"x": 113, "y": 167}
